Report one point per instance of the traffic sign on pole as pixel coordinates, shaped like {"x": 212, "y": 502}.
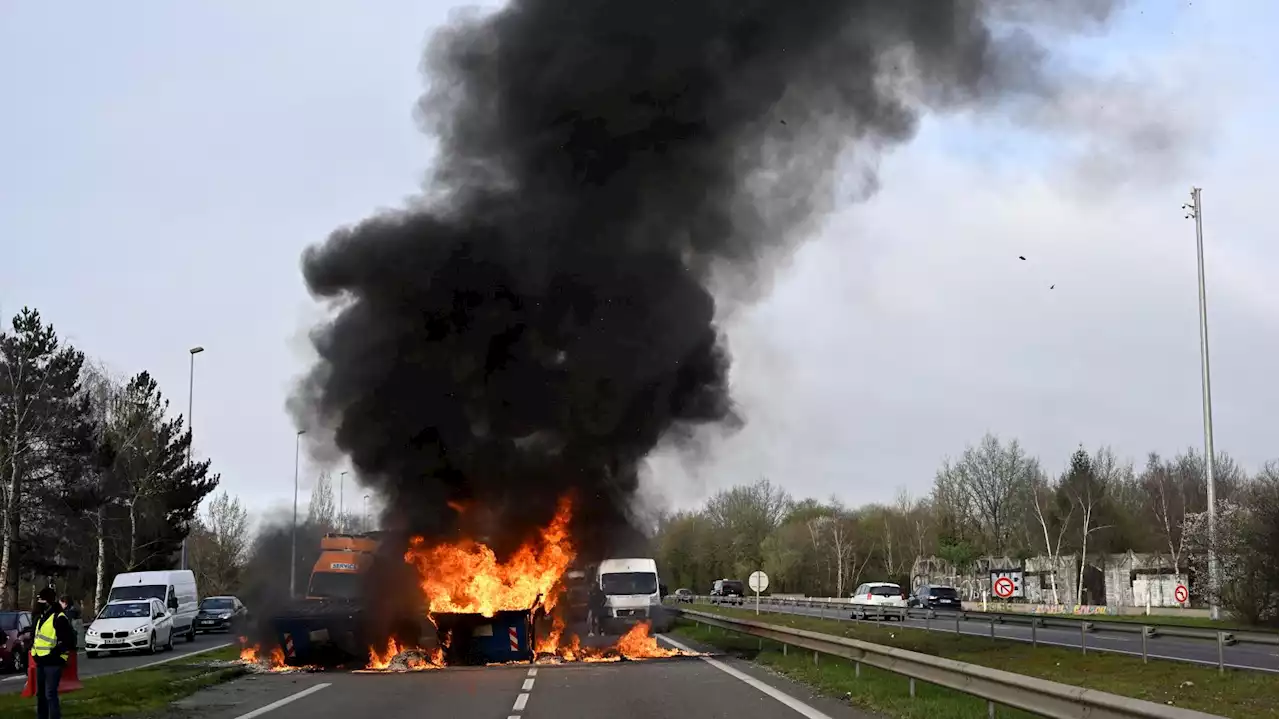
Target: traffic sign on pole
{"x": 758, "y": 581}
{"x": 1180, "y": 593}
{"x": 1003, "y": 587}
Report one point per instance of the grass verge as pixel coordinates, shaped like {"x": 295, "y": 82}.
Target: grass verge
{"x": 138, "y": 691}
{"x": 1237, "y": 693}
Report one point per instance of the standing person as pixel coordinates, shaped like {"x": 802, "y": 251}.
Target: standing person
{"x": 595, "y": 609}
{"x": 54, "y": 641}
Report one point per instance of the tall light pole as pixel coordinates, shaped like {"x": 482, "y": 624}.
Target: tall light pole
{"x": 1196, "y": 212}
{"x": 191, "y": 401}
{"x": 342, "y": 514}
{"x": 293, "y": 553}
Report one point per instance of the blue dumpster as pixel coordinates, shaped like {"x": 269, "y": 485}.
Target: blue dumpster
{"x": 474, "y": 639}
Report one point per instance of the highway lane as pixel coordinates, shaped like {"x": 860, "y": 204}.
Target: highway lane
{"x": 676, "y": 688}
{"x": 112, "y": 663}
{"x": 1240, "y": 656}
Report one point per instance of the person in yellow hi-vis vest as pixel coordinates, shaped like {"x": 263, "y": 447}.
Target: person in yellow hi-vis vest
{"x": 53, "y": 643}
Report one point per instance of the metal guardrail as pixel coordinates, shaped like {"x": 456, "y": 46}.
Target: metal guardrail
{"x": 998, "y": 687}
{"x": 1035, "y": 620}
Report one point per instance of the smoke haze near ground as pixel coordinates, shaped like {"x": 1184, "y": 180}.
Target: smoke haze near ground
{"x": 541, "y": 318}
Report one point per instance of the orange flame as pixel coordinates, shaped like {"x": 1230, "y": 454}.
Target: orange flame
{"x": 467, "y": 578}
{"x": 273, "y": 661}
{"x": 381, "y": 661}
{"x": 637, "y": 644}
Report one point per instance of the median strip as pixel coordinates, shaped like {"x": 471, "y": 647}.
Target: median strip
{"x": 138, "y": 690}
{"x": 1234, "y": 694}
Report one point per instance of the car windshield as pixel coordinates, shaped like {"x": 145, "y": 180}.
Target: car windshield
{"x": 886, "y": 590}
{"x": 127, "y": 610}
{"x": 137, "y": 591}
{"x": 216, "y": 604}
{"x": 8, "y": 621}
{"x": 335, "y": 585}
{"x": 629, "y": 583}
{"x": 943, "y": 592}
{"x": 683, "y": 592}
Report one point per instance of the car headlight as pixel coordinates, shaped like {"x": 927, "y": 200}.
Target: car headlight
{"x": 141, "y": 630}
{"x": 91, "y": 632}
{"x": 224, "y": 616}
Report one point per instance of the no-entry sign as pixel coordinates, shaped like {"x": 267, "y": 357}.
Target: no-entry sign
{"x": 1003, "y": 587}
{"x": 1180, "y": 593}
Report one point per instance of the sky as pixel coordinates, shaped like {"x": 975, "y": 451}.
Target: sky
{"x": 162, "y": 169}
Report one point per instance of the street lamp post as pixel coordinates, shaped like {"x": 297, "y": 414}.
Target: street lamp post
{"x": 191, "y": 401}
{"x": 293, "y": 553}
{"x": 365, "y": 520}
{"x": 342, "y": 513}
{"x": 1194, "y": 211}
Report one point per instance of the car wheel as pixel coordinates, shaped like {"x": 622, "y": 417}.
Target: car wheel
{"x": 191, "y": 633}
{"x": 168, "y": 645}
{"x": 151, "y": 647}
{"x": 18, "y": 660}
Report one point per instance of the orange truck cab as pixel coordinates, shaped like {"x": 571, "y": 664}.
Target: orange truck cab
{"x": 343, "y": 558}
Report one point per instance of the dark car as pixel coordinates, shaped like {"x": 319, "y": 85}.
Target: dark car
{"x": 935, "y": 596}
{"x": 221, "y": 614}
{"x": 727, "y": 591}
{"x": 17, "y": 636}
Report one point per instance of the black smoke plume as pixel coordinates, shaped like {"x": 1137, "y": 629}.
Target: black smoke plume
{"x": 543, "y": 316}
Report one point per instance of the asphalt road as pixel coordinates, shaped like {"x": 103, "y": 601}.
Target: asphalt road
{"x": 677, "y": 688}
{"x": 1240, "y": 656}
{"x": 112, "y": 663}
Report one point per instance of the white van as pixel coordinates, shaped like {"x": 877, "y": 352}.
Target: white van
{"x": 632, "y": 594}
{"x": 176, "y": 588}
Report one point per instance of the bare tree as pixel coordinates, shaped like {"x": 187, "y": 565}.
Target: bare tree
{"x": 1043, "y": 506}
{"x": 221, "y": 544}
{"x": 994, "y": 482}
{"x": 321, "y": 510}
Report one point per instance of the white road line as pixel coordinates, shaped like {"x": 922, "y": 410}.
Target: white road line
{"x": 167, "y": 660}
{"x": 519, "y": 705}
{"x": 528, "y": 685}
{"x": 277, "y": 704}
{"x": 533, "y": 672}
{"x": 786, "y": 699}
{"x": 23, "y": 677}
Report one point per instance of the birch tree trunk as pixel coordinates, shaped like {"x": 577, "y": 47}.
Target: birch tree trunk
{"x": 101, "y": 571}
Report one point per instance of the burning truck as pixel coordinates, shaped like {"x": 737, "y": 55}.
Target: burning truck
{"x": 469, "y": 607}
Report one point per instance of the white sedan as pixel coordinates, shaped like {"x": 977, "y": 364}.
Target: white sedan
{"x": 130, "y": 625}
{"x": 877, "y": 595}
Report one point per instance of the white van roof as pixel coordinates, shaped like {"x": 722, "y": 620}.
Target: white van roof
{"x": 637, "y": 564}
{"x": 167, "y": 576}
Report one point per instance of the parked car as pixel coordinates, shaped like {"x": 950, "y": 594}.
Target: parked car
{"x": 175, "y": 588}
{"x": 683, "y": 595}
{"x": 877, "y": 594}
{"x": 935, "y": 596}
{"x": 727, "y": 591}
{"x": 17, "y": 636}
{"x": 130, "y": 625}
{"x": 222, "y": 614}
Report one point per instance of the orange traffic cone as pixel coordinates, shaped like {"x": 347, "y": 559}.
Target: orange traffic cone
{"x": 29, "y": 689}
{"x": 70, "y": 677}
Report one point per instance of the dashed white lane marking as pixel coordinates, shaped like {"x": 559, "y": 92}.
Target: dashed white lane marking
{"x": 528, "y": 685}
{"x": 519, "y": 705}
{"x": 785, "y": 699}
{"x": 277, "y": 704}
{"x": 533, "y": 672}
{"x": 23, "y": 677}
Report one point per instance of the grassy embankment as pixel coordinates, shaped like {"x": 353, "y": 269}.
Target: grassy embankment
{"x": 134, "y": 692}
{"x": 1242, "y": 694}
